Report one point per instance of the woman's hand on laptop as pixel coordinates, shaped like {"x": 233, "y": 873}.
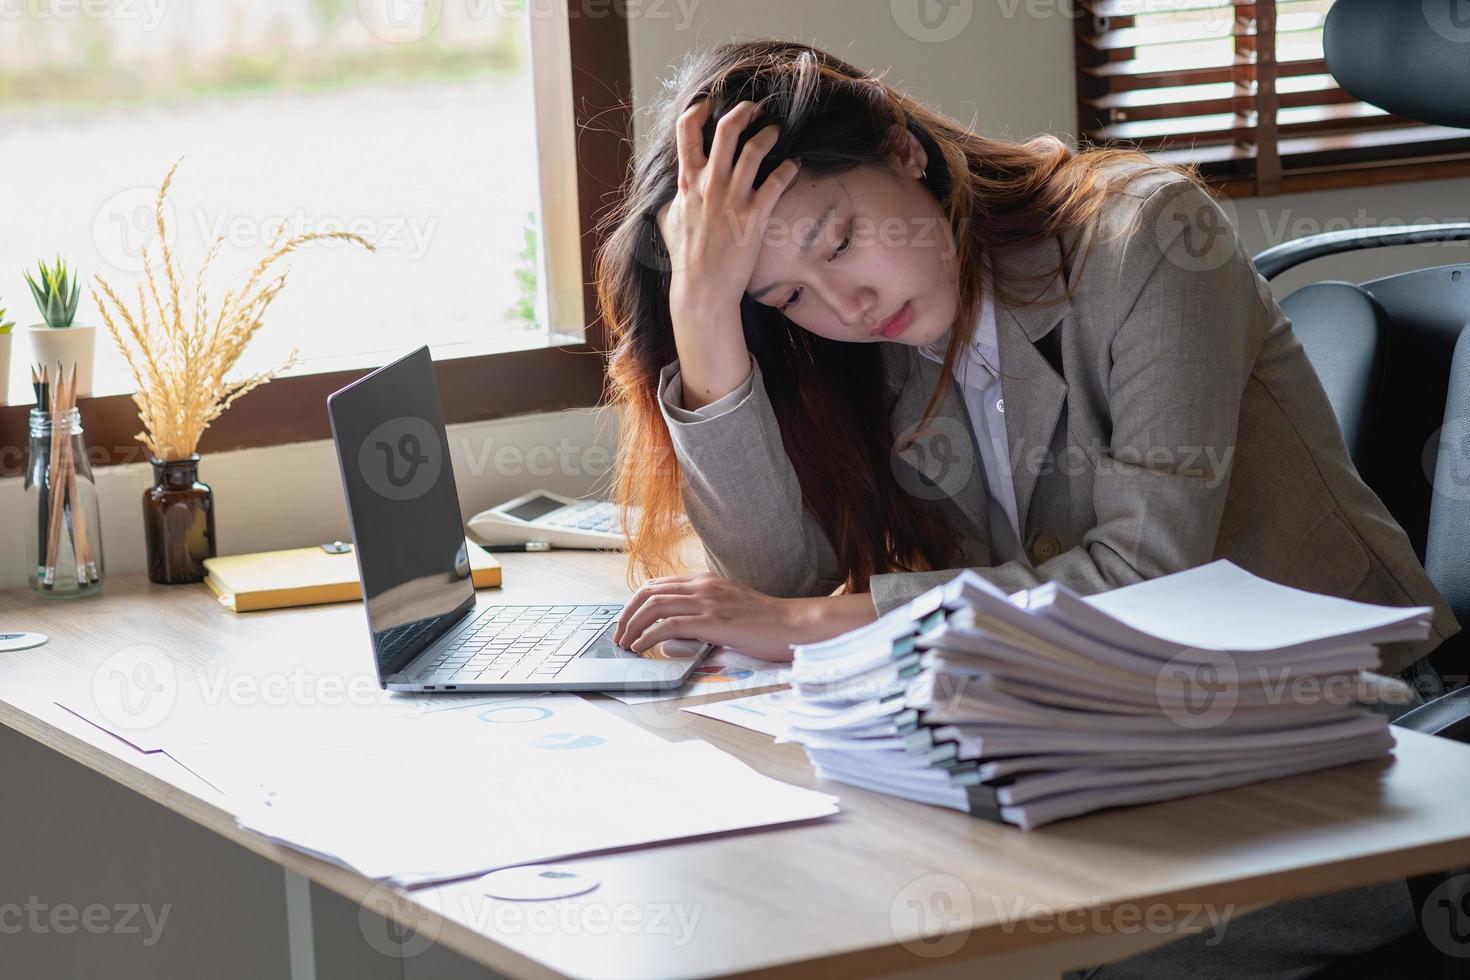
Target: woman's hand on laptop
{"x": 713, "y": 609}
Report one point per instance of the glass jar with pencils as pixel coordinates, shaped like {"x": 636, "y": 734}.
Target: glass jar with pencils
{"x": 63, "y": 532}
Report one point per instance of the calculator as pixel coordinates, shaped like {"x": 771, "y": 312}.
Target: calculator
{"x": 541, "y": 515}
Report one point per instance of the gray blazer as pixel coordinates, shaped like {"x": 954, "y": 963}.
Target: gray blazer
{"x": 1165, "y": 417}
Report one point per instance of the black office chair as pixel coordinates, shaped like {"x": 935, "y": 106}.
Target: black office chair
{"x": 1394, "y": 357}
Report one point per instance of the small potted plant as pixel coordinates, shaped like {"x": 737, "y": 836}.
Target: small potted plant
{"x": 57, "y": 339}
{"x": 5, "y": 327}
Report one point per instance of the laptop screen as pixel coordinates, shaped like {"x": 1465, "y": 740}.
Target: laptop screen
{"x": 403, "y": 507}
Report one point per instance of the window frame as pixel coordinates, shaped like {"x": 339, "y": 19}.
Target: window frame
{"x": 473, "y": 388}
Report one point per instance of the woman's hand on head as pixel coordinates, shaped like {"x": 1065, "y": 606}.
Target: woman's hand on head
{"x": 715, "y": 224}
{"x": 707, "y": 607}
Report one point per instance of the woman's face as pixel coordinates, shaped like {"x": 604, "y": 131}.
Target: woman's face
{"x": 879, "y": 245}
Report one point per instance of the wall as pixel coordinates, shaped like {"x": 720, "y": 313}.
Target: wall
{"x": 1004, "y": 67}
{"x": 1265, "y": 222}
{"x": 290, "y": 496}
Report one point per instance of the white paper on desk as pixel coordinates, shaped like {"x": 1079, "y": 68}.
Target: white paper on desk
{"x": 203, "y": 708}
{"x": 678, "y": 790}
{"x": 1222, "y": 606}
{"x": 764, "y": 713}
{"x": 155, "y": 762}
{"x": 253, "y": 759}
{"x": 722, "y": 671}
{"x": 145, "y": 742}
{"x": 459, "y": 793}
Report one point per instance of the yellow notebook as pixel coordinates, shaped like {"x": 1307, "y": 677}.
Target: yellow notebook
{"x": 308, "y": 576}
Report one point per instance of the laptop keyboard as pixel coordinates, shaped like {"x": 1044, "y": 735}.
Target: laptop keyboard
{"x": 520, "y": 642}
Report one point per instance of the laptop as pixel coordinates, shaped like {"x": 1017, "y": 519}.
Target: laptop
{"x": 429, "y": 631}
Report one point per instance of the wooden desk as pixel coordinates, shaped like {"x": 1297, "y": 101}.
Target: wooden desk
{"x": 885, "y": 887}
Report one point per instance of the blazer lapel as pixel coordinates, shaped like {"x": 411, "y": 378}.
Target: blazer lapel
{"x": 1033, "y": 391}
{"x": 945, "y": 455}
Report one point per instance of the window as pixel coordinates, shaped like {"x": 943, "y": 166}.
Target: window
{"x": 442, "y": 132}
{"x": 1242, "y": 90}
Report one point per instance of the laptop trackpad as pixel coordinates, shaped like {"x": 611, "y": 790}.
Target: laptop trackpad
{"x": 603, "y": 648}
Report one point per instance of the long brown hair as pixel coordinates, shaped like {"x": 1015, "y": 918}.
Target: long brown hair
{"x": 835, "y": 118}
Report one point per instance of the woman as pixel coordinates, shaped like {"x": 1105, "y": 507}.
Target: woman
{"x": 922, "y": 350}
{"x": 1123, "y": 397}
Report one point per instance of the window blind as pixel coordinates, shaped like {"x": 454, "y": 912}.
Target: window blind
{"x": 1239, "y": 88}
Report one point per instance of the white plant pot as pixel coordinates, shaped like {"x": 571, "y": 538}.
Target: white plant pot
{"x": 4, "y": 368}
{"x": 69, "y": 345}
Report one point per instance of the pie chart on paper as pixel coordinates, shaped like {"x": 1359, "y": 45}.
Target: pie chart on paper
{"x": 719, "y": 674}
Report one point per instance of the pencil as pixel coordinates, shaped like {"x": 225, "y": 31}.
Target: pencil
{"x": 60, "y": 444}
{"x": 38, "y": 380}
{"x": 81, "y": 544}
{"x": 53, "y": 471}
{"x": 86, "y": 572}
{"x": 75, "y": 525}
{"x": 68, "y": 494}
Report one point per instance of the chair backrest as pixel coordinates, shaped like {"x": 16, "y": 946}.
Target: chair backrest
{"x": 1405, "y": 56}
{"x": 1394, "y": 356}
{"x": 1392, "y": 353}
{"x": 1345, "y": 332}
{"x": 1447, "y": 557}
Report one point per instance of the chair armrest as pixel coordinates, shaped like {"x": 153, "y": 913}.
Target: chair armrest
{"x": 1277, "y": 259}
{"x": 1447, "y": 716}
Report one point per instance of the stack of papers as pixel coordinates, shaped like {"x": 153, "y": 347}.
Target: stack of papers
{"x": 1043, "y": 705}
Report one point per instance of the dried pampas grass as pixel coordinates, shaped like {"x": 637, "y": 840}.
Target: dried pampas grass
{"x": 178, "y": 353}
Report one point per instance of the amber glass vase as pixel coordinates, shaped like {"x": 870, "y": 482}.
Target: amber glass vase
{"x": 178, "y": 519}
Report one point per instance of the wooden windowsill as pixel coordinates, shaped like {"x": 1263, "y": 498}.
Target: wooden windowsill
{"x": 1365, "y": 175}
{"x": 294, "y": 409}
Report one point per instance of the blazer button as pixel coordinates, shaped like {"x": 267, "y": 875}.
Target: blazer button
{"x": 1045, "y": 547}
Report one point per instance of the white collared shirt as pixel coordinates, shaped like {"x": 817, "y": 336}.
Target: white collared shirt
{"x": 980, "y": 385}
{"x": 981, "y": 389}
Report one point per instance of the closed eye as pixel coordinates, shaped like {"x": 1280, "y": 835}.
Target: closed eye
{"x": 791, "y": 301}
